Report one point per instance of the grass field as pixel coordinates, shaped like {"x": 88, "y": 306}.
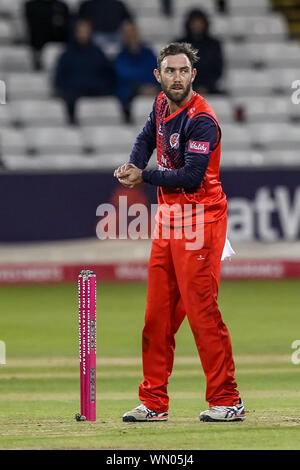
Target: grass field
{"x": 39, "y": 385}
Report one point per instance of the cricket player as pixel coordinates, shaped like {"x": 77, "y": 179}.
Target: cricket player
{"x": 182, "y": 281}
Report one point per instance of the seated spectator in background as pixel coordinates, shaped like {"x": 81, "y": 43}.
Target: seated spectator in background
{"x": 47, "y": 21}
{"x": 107, "y": 17}
{"x": 167, "y": 7}
{"x": 211, "y": 63}
{"x": 134, "y": 69}
{"x": 82, "y": 70}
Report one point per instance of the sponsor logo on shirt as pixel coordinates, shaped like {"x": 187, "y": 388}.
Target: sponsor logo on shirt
{"x": 174, "y": 140}
{"x": 198, "y": 147}
{"x": 160, "y": 130}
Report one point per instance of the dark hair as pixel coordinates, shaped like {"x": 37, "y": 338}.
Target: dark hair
{"x": 175, "y": 48}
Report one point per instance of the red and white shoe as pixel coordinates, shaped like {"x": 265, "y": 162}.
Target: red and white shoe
{"x": 142, "y": 413}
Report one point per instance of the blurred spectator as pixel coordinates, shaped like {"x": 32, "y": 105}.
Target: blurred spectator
{"x": 82, "y": 70}
{"x": 107, "y": 17}
{"x": 211, "y": 64}
{"x": 221, "y": 6}
{"x": 167, "y": 7}
{"x": 134, "y": 68}
{"x": 47, "y": 21}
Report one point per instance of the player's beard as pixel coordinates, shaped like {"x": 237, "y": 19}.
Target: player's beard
{"x": 177, "y": 96}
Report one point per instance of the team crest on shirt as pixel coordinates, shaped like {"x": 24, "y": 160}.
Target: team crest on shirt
{"x": 174, "y": 140}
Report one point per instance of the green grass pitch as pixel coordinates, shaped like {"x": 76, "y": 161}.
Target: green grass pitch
{"x": 39, "y": 385}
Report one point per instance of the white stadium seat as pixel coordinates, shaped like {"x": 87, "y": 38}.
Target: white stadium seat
{"x": 235, "y": 137}
{"x": 54, "y": 140}
{"x": 63, "y": 161}
{"x": 222, "y": 107}
{"x": 276, "y": 54}
{"x": 28, "y": 85}
{"x": 99, "y": 111}
{"x": 50, "y": 55}
{"x": 12, "y": 142}
{"x": 272, "y": 27}
{"x": 276, "y": 136}
{"x": 15, "y": 59}
{"x": 281, "y": 79}
{"x": 242, "y": 158}
{"x": 181, "y": 7}
{"x": 264, "y": 108}
{"x": 248, "y": 82}
{"x": 109, "y": 139}
{"x": 282, "y": 157}
{"x": 159, "y": 28}
{"x": 5, "y": 115}
{"x": 38, "y": 113}
{"x": 259, "y": 28}
{"x": 246, "y": 7}
{"x": 47, "y": 162}
{"x": 236, "y": 54}
{"x": 11, "y": 7}
{"x": 141, "y": 108}
{"x": 6, "y": 32}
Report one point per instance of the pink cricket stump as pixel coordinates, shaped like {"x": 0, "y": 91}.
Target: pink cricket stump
{"x": 87, "y": 345}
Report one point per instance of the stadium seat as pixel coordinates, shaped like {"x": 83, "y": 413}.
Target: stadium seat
{"x": 282, "y": 158}
{"x": 15, "y": 59}
{"x": 53, "y": 140}
{"x": 244, "y": 7}
{"x": 6, "y": 32}
{"x": 38, "y": 113}
{"x": 236, "y": 54}
{"x": 281, "y": 79}
{"x": 10, "y": 8}
{"x": 259, "y": 28}
{"x": 248, "y": 82}
{"x": 276, "y": 54}
{"x": 159, "y": 28}
{"x": 182, "y": 6}
{"x": 294, "y": 103}
{"x": 12, "y": 142}
{"x": 32, "y": 85}
{"x": 141, "y": 108}
{"x": 50, "y": 55}
{"x": 264, "y": 108}
{"x": 242, "y": 158}
{"x": 99, "y": 111}
{"x": 48, "y": 162}
{"x": 73, "y": 4}
{"x": 5, "y": 115}
{"x": 275, "y": 136}
{"x": 109, "y": 140}
{"x": 235, "y": 137}
{"x": 222, "y": 107}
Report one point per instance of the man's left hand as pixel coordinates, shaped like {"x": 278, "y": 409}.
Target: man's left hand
{"x": 131, "y": 177}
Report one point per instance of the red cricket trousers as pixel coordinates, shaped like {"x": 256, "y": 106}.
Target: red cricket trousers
{"x": 185, "y": 282}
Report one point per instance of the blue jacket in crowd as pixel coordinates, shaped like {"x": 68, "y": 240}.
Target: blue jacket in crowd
{"x": 134, "y": 70}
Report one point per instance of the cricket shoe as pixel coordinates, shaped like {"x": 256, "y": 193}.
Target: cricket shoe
{"x": 224, "y": 413}
{"x": 142, "y": 413}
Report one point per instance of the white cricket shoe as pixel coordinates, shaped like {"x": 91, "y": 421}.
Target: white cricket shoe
{"x": 224, "y": 413}
{"x": 142, "y": 413}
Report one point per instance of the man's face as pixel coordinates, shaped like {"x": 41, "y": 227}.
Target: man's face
{"x": 176, "y": 77}
{"x": 83, "y": 32}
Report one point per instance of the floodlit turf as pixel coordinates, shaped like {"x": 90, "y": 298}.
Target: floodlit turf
{"x": 39, "y": 386}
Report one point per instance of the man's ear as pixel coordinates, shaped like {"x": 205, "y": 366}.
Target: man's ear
{"x": 194, "y": 74}
{"x": 157, "y": 75}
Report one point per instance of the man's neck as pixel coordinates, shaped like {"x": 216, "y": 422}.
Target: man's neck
{"x": 175, "y": 106}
